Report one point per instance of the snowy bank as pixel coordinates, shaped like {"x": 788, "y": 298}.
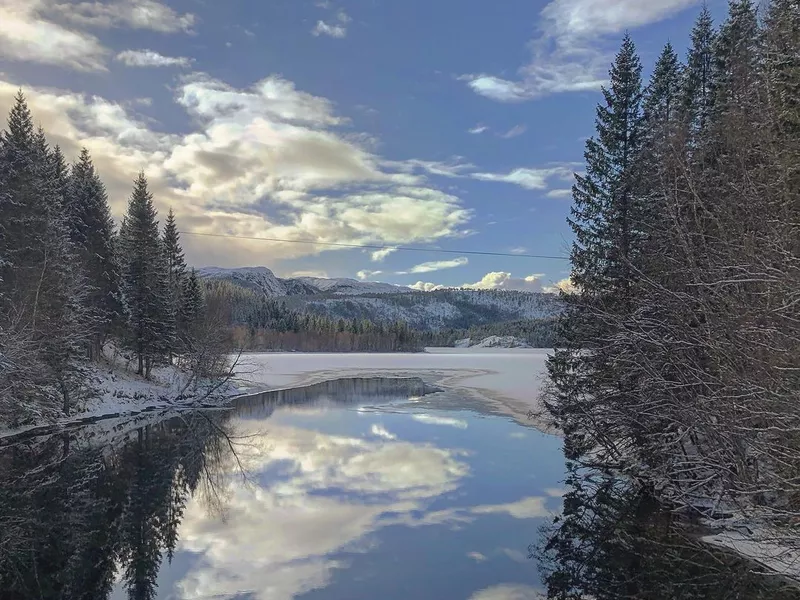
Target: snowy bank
{"x": 113, "y": 390}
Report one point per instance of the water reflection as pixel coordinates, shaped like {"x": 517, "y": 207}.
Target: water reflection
{"x": 613, "y": 541}
{"x": 72, "y": 510}
{"x": 347, "y": 490}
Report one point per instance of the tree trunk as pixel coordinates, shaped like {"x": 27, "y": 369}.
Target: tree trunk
{"x": 140, "y": 370}
{"x": 148, "y": 367}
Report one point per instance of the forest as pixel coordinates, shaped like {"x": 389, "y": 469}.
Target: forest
{"x": 680, "y": 364}
{"x": 71, "y": 283}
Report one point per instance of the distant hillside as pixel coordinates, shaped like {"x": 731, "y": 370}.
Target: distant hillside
{"x": 454, "y": 309}
{"x": 433, "y": 311}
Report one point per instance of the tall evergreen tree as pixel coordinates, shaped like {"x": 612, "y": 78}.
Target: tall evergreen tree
{"x": 40, "y": 285}
{"x": 176, "y": 264}
{"x": 698, "y": 76}
{"x": 92, "y": 232}
{"x": 176, "y": 267}
{"x": 736, "y": 57}
{"x": 145, "y": 280}
{"x": 606, "y": 219}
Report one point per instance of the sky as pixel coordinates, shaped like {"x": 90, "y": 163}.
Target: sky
{"x": 434, "y": 124}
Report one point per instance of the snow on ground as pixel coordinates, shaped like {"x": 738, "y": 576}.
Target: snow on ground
{"x": 777, "y": 552}
{"x": 113, "y": 390}
{"x": 508, "y": 379}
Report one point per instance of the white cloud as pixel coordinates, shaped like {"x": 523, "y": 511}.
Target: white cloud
{"x": 496, "y": 88}
{"x": 150, "y": 58}
{"x": 381, "y": 432}
{"x": 453, "y": 168}
{"x": 476, "y": 556}
{"x": 565, "y": 285}
{"x": 515, "y": 131}
{"x": 508, "y": 591}
{"x": 527, "y": 508}
{"x": 500, "y": 280}
{"x": 423, "y": 286}
{"x": 519, "y": 250}
{"x": 267, "y": 161}
{"x": 436, "y": 265}
{"x": 434, "y": 420}
{"x": 478, "y": 129}
{"x": 531, "y": 179}
{"x": 381, "y": 254}
{"x": 135, "y": 14}
{"x": 27, "y": 36}
{"x": 571, "y": 50}
{"x": 559, "y": 193}
{"x": 336, "y": 29}
{"x": 275, "y": 536}
{"x": 308, "y": 273}
{"x": 366, "y": 274}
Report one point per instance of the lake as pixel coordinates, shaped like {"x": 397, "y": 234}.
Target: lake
{"x": 358, "y": 488}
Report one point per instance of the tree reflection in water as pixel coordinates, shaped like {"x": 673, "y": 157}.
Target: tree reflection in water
{"x": 76, "y": 512}
{"x": 72, "y": 517}
{"x": 612, "y": 541}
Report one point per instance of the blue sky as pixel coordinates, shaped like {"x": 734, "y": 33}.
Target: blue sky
{"x": 445, "y": 124}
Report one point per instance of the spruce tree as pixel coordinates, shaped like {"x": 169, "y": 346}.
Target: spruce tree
{"x": 606, "y": 219}
{"x": 605, "y": 206}
{"x": 145, "y": 281}
{"x": 176, "y": 267}
{"x": 698, "y": 75}
{"x": 191, "y": 309}
{"x": 92, "y": 232}
{"x": 735, "y": 62}
{"x": 40, "y": 285}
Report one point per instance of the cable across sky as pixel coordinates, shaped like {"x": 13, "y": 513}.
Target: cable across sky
{"x": 376, "y": 246}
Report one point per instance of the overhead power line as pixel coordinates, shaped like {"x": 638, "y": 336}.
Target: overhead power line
{"x": 375, "y": 247}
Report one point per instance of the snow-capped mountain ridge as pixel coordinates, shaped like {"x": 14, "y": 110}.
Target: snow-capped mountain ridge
{"x": 386, "y": 303}
{"x": 264, "y": 280}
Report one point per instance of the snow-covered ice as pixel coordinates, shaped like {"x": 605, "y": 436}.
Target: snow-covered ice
{"x": 508, "y": 379}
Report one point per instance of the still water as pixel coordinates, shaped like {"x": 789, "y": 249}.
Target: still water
{"x": 353, "y": 489}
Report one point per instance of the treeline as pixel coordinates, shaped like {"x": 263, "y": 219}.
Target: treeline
{"x": 681, "y": 366}
{"x": 257, "y": 322}
{"x": 70, "y": 283}
{"x": 538, "y": 333}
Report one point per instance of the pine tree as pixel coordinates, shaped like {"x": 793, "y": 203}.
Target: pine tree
{"x": 92, "y": 232}
{"x": 698, "y": 76}
{"x": 145, "y": 281}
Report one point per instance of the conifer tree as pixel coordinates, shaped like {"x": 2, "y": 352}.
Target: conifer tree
{"x": 145, "y": 281}
{"x": 698, "y": 75}
{"x": 92, "y": 232}
{"x": 735, "y": 61}
{"x": 176, "y": 268}
{"x": 606, "y": 216}
{"x": 40, "y": 285}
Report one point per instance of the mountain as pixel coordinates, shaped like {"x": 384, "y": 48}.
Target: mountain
{"x": 385, "y": 303}
{"x": 264, "y": 280}
{"x": 353, "y": 287}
